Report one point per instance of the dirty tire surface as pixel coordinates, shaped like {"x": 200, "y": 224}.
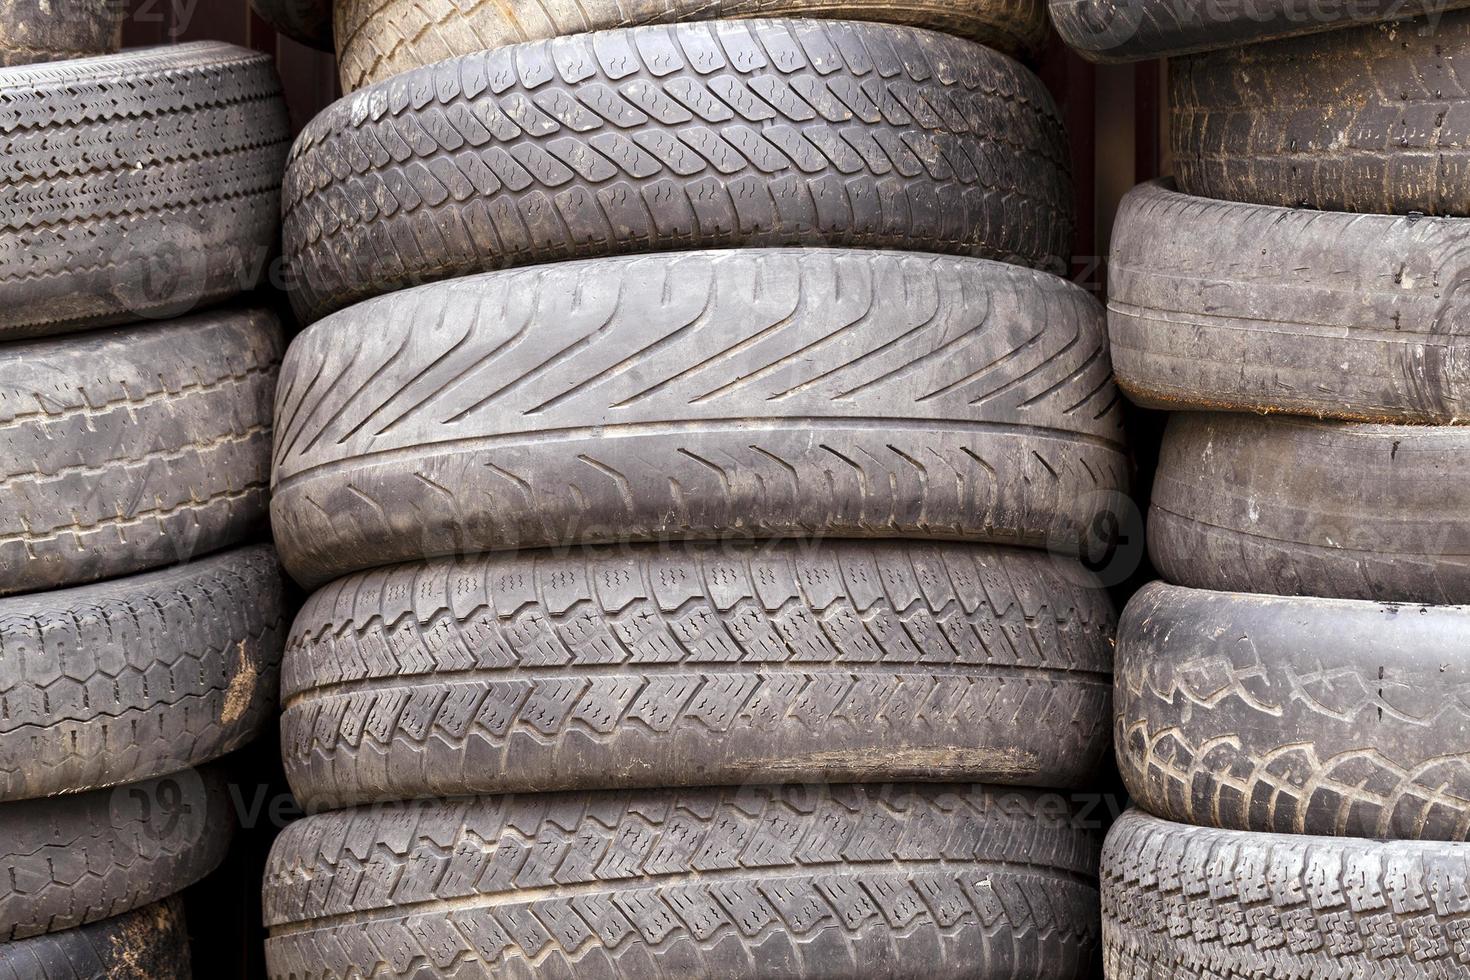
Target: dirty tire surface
{"x": 1298, "y": 507}
{"x": 1214, "y": 305}
{"x": 677, "y": 397}
{"x": 306, "y": 21}
{"x": 382, "y": 38}
{"x": 140, "y": 676}
{"x": 814, "y": 882}
{"x": 128, "y": 449}
{"x": 136, "y": 186}
{"x": 56, "y": 30}
{"x": 698, "y": 665}
{"x": 1296, "y": 715}
{"x": 1181, "y": 903}
{"x": 707, "y": 135}
{"x": 79, "y": 859}
{"x": 1374, "y": 119}
{"x": 150, "y": 943}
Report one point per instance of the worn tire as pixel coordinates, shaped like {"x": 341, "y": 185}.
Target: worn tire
{"x": 695, "y": 666}
{"x": 128, "y": 449}
{"x": 1297, "y": 507}
{"x": 680, "y": 396}
{"x": 138, "y": 677}
{"x": 1296, "y": 715}
{"x": 150, "y": 943}
{"x": 136, "y": 186}
{"x": 55, "y": 30}
{"x": 1242, "y": 307}
{"x": 308, "y": 22}
{"x": 79, "y": 859}
{"x": 1182, "y": 903}
{"x": 721, "y": 134}
{"x": 882, "y": 882}
{"x": 383, "y": 38}
{"x": 1374, "y": 119}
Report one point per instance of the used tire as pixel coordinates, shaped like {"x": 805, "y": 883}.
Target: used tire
{"x": 1181, "y": 903}
{"x": 54, "y": 30}
{"x": 1249, "y": 308}
{"x": 1298, "y": 507}
{"x": 308, "y": 22}
{"x": 139, "y": 677}
{"x": 128, "y": 449}
{"x": 730, "y": 133}
{"x": 148, "y": 944}
{"x": 1374, "y": 119}
{"x": 695, "y": 666}
{"x": 737, "y": 393}
{"x": 135, "y": 186}
{"x": 383, "y": 38}
{"x": 1296, "y": 715}
{"x": 72, "y": 860}
{"x": 882, "y": 882}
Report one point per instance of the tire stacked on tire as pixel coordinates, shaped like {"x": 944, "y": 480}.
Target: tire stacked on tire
{"x": 676, "y": 524}
{"x": 1292, "y": 705}
{"x": 140, "y": 629}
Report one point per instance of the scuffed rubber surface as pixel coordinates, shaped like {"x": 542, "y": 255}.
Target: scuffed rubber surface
{"x": 148, "y": 944}
{"x": 54, "y": 30}
{"x": 881, "y": 882}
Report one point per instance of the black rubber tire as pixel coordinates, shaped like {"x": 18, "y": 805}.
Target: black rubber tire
{"x": 815, "y": 882}
{"x": 1296, "y": 715}
{"x": 1185, "y": 903}
{"x": 677, "y": 396}
{"x": 383, "y": 38}
{"x": 1297, "y": 507}
{"x": 307, "y": 22}
{"x": 1242, "y": 307}
{"x": 1136, "y": 30}
{"x": 708, "y": 135}
{"x": 1374, "y": 119}
{"x": 150, "y": 943}
{"x": 699, "y": 665}
{"x": 128, "y": 449}
{"x": 139, "y": 677}
{"x": 72, "y": 860}
{"x": 136, "y": 186}
{"x": 54, "y": 30}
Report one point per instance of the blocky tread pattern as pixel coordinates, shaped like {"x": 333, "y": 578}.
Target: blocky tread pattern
{"x": 56, "y": 30}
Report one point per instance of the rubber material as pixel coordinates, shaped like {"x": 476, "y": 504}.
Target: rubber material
{"x": 731, "y": 394}
{"x": 1182, "y": 903}
{"x": 306, "y": 21}
{"x": 128, "y": 449}
{"x": 1373, "y": 119}
{"x": 882, "y": 882}
{"x": 1297, "y": 507}
{"x": 382, "y": 38}
{"x": 1299, "y": 716}
{"x": 136, "y": 186}
{"x": 138, "y": 677}
{"x": 72, "y": 860}
{"x": 148, "y": 944}
{"x": 53, "y": 30}
{"x": 709, "y": 135}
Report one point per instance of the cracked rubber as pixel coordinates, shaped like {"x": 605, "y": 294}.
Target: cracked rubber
{"x": 1374, "y": 120}
{"x": 55, "y": 30}
{"x": 670, "y": 138}
{"x": 138, "y": 677}
{"x": 72, "y": 860}
{"x": 1296, "y": 715}
{"x": 729, "y": 394}
{"x": 1185, "y": 903}
{"x": 382, "y": 38}
{"x": 306, "y": 21}
{"x": 126, "y": 449}
{"x": 1291, "y": 507}
{"x": 1242, "y": 307}
{"x": 816, "y": 882}
{"x": 150, "y": 943}
{"x": 699, "y": 665}
{"x": 136, "y": 186}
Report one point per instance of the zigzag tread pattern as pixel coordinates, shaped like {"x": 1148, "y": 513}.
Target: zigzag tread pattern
{"x": 745, "y": 881}
{"x": 150, "y": 943}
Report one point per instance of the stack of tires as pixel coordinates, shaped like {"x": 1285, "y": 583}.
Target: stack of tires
{"x": 1293, "y": 708}
{"x": 676, "y": 528}
{"x": 140, "y": 629}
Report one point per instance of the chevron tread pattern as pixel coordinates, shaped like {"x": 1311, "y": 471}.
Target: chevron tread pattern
{"x": 150, "y": 943}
